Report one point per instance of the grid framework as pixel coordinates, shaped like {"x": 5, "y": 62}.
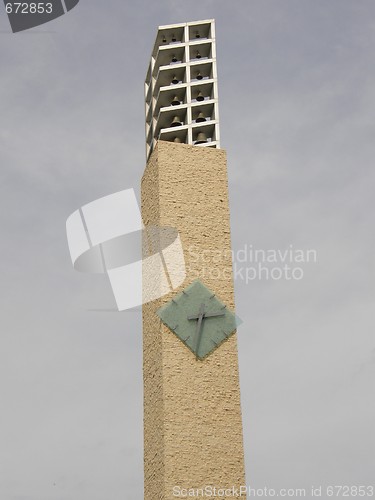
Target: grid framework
{"x": 181, "y": 94}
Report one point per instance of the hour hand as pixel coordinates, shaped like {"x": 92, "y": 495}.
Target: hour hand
{"x": 217, "y": 313}
{"x": 207, "y": 315}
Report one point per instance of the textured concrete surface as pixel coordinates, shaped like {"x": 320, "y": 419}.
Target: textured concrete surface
{"x": 192, "y": 413}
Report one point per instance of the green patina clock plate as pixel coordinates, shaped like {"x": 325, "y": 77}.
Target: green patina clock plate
{"x": 199, "y": 319}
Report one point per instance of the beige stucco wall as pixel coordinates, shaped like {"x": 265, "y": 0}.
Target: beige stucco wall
{"x": 192, "y": 414}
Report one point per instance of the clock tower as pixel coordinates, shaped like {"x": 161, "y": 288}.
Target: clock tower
{"x": 193, "y": 444}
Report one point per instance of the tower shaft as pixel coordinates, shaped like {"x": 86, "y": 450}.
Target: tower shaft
{"x": 192, "y": 412}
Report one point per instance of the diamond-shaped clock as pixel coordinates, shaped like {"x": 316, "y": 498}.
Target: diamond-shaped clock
{"x": 199, "y": 319}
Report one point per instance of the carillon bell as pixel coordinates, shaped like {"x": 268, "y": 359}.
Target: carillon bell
{"x": 198, "y": 55}
{"x": 175, "y": 101}
{"x": 175, "y": 80}
{"x": 174, "y": 58}
{"x": 200, "y": 118}
{"x": 200, "y": 96}
{"x": 164, "y": 39}
{"x": 197, "y": 35}
{"x": 175, "y": 122}
{"x": 177, "y": 139}
{"x": 199, "y": 76}
{"x": 174, "y": 39}
{"x": 201, "y": 138}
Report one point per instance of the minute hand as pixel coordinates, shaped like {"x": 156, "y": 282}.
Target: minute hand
{"x": 199, "y": 329}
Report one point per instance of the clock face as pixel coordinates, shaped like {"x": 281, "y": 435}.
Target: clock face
{"x": 199, "y": 319}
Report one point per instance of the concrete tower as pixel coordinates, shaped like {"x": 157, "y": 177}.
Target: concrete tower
{"x": 192, "y": 413}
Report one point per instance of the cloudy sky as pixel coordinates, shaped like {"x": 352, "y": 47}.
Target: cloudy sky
{"x": 297, "y": 111}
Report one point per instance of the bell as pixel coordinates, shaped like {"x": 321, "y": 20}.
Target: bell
{"x": 197, "y": 35}
{"x": 174, "y": 58}
{"x": 175, "y": 101}
{"x": 200, "y": 96}
{"x": 175, "y": 80}
{"x": 174, "y": 39}
{"x": 199, "y": 76}
{"x": 200, "y": 118}
{"x": 198, "y": 56}
{"x": 164, "y": 39}
{"x": 201, "y": 138}
{"x": 177, "y": 139}
{"x": 175, "y": 122}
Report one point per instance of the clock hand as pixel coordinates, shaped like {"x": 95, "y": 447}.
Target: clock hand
{"x": 200, "y": 316}
{"x": 199, "y": 329}
{"x": 211, "y": 315}
{"x": 207, "y": 315}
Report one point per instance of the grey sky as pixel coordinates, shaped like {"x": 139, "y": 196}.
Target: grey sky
{"x": 297, "y": 102}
